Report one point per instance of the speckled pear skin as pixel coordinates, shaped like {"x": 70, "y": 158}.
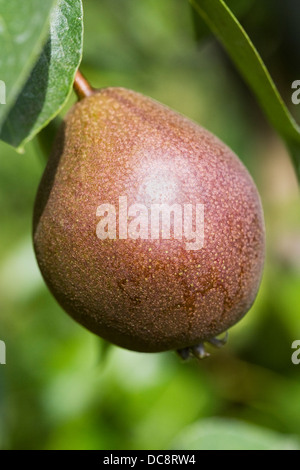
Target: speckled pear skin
{"x": 146, "y": 295}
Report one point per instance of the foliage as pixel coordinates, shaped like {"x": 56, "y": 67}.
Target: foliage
{"x": 24, "y": 27}
{"x": 238, "y": 44}
{"x": 51, "y": 79}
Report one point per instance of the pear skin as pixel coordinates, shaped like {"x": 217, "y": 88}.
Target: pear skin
{"x": 140, "y": 286}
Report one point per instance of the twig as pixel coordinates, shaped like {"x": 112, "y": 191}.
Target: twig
{"x": 82, "y": 87}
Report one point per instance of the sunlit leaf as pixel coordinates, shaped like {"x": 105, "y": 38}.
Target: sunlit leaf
{"x": 51, "y": 79}
{"x": 23, "y": 30}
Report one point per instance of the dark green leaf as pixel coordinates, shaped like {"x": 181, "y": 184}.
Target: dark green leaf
{"x": 23, "y": 30}
{"x": 51, "y": 79}
{"x": 239, "y": 7}
{"x": 231, "y": 34}
{"x": 201, "y": 29}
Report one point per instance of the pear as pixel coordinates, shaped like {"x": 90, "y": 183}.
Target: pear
{"x": 148, "y": 230}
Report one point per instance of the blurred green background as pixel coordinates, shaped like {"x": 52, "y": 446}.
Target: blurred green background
{"x": 61, "y": 387}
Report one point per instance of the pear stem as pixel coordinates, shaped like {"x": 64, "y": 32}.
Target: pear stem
{"x": 82, "y": 87}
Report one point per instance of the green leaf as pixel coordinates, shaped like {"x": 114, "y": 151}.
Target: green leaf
{"x": 23, "y": 30}
{"x": 231, "y": 34}
{"x": 231, "y": 434}
{"x": 202, "y": 31}
{"x": 50, "y": 82}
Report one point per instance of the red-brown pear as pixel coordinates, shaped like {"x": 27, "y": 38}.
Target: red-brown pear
{"x": 121, "y": 164}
